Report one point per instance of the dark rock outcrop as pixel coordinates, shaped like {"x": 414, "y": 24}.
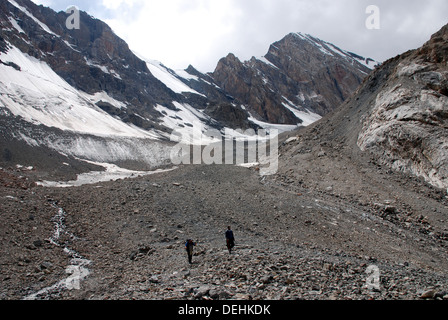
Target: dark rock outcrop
{"x": 397, "y": 117}
{"x": 300, "y": 71}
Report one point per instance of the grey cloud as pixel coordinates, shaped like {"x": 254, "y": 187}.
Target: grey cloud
{"x": 405, "y": 24}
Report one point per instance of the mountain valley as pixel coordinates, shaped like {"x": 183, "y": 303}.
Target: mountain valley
{"x": 92, "y": 208}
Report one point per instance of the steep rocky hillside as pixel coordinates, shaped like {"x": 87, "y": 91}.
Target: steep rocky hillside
{"x": 92, "y": 59}
{"x": 398, "y": 117}
{"x": 406, "y": 127}
{"x": 299, "y": 73}
{"x": 384, "y": 148}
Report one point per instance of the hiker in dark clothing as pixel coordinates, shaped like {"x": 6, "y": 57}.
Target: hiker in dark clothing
{"x": 189, "y": 245}
{"x": 230, "y": 239}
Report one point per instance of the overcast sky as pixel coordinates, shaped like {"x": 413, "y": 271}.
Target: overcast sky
{"x": 200, "y": 32}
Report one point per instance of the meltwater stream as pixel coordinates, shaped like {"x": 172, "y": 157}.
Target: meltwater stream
{"x": 77, "y": 269}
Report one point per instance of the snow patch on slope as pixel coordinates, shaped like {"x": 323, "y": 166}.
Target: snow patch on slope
{"x": 188, "y": 123}
{"x": 307, "y": 116}
{"x": 164, "y": 75}
{"x": 40, "y": 23}
{"x": 184, "y": 116}
{"x": 16, "y": 25}
{"x": 332, "y": 50}
{"x": 269, "y": 126}
{"x": 266, "y": 61}
{"x": 111, "y": 173}
{"x": 184, "y": 74}
{"x": 38, "y": 95}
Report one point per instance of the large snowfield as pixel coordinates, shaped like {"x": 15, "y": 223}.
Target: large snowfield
{"x": 38, "y": 95}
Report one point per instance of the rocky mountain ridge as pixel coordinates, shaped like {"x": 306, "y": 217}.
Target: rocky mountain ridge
{"x": 97, "y": 69}
{"x": 398, "y": 114}
{"x": 299, "y": 72}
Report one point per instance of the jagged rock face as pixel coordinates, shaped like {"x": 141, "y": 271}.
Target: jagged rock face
{"x": 243, "y": 82}
{"x": 299, "y": 70}
{"x": 91, "y": 59}
{"x": 328, "y": 70}
{"x": 207, "y": 86}
{"x": 397, "y": 118}
{"x": 406, "y": 127}
{"x": 436, "y": 49}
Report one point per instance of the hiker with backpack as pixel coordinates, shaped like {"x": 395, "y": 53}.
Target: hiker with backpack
{"x": 230, "y": 239}
{"x": 189, "y": 246}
